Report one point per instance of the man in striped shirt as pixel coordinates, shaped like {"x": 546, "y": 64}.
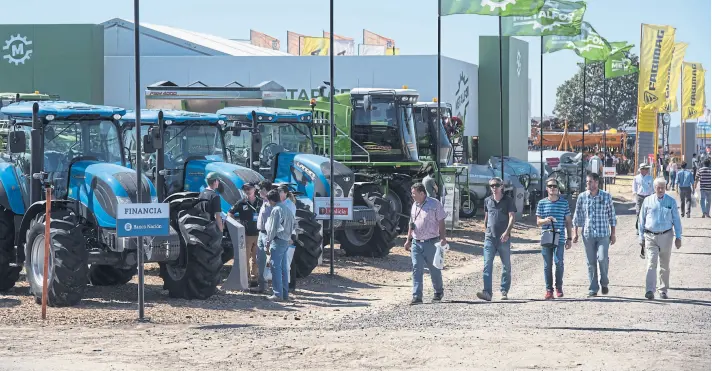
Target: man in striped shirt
{"x": 596, "y": 215}
{"x": 553, "y": 213}
{"x": 703, "y": 179}
{"x": 658, "y": 217}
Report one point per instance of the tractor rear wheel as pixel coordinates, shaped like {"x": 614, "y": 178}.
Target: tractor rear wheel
{"x": 9, "y": 273}
{"x": 308, "y": 243}
{"x": 400, "y": 188}
{"x": 106, "y": 275}
{"x": 468, "y": 207}
{"x": 68, "y": 269}
{"x": 376, "y": 241}
{"x": 196, "y": 274}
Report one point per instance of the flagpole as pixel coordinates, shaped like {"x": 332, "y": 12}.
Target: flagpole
{"x": 583, "y": 129}
{"x": 437, "y": 146}
{"x": 332, "y": 133}
{"x": 501, "y": 101}
{"x": 605, "y": 123}
{"x": 541, "y": 121}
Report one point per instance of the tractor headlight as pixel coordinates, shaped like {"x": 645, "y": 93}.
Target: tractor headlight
{"x": 49, "y": 117}
{"x": 117, "y": 116}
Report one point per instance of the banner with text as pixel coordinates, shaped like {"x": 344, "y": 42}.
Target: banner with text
{"x": 674, "y": 74}
{"x": 264, "y": 40}
{"x": 554, "y": 18}
{"x": 656, "y": 50}
{"x": 693, "y": 90}
{"x": 343, "y": 208}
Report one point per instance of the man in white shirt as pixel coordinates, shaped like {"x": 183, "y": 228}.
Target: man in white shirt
{"x": 642, "y": 186}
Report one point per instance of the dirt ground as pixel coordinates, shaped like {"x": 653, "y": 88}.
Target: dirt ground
{"x": 359, "y": 319}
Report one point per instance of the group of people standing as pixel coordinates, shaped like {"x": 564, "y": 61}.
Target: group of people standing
{"x": 268, "y": 214}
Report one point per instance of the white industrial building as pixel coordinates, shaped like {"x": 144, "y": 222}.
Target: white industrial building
{"x": 184, "y": 57}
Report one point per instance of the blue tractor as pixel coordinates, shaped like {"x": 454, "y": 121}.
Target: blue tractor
{"x": 75, "y": 148}
{"x": 279, "y": 143}
{"x": 190, "y": 145}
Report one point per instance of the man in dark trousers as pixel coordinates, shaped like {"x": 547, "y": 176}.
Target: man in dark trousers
{"x": 246, "y": 211}
{"x": 212, "y": 206}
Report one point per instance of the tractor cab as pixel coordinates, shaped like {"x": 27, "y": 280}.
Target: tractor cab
{"x": 382, "y": 124}
{"x": 428, "y": 129}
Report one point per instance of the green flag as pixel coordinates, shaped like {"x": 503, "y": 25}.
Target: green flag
{"x": 588, "y": 44}
{"x": 503, "y": 8}
{"x": 556, "y": 17}
{"x": 618, "y": 64}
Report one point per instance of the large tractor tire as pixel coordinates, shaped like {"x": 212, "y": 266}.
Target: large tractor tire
{"x": 401, "y": 200}
{"x": 468, "y": 206}
{"x": 228, "y": 252}
{"x": 196, "y": 274}
{"x": 9, "y": 274}
{"x": 106, "y": 275}
{"x": 308, "y": 244}
{"x": 376, "y": 241}
{"x": 68, "y": 269}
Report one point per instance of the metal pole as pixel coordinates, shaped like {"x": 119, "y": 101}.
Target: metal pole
{"x": 440, "y": 115}
{"x": 139, "y": 244}
{"x": 45, "y": 267}
{"x": 605, "y": 126}
{"x": 333, "y": 133}
{"x": 583, "y": 129}
{"x": 541, "y": 121}
{"x": 501, "y": 101}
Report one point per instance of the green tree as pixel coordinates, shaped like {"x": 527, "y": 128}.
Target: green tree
{"x": 620, "y": 94}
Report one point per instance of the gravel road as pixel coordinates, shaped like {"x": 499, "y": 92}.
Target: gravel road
{"x": 619, "y": 331}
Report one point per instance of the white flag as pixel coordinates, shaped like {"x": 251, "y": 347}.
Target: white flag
{"x": 371, "y": 49}
{"x": 343, "y": 47}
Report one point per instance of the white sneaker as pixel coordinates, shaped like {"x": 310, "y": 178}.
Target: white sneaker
{"x": 274, "y": 298}
{"x": 504, "y": 295}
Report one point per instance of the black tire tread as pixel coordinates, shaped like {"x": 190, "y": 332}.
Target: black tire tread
{"x": 308, "y": 243}
{"x": 9, "y": 274}
{"x": 70, "y": 276}
{"x": 385, "y": 230}
{"x": 400, "y": 185}
{"x": 106, "y": 275}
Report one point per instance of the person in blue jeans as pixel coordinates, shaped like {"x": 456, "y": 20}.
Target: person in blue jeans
{"x": 280, "y": 225}
{"x": 499, "y": 220}
{"x": 553, "y": 213}
{"x": 265, "y": 211}
{"x": 596, "y": 215}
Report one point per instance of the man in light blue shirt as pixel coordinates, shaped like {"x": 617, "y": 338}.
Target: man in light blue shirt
{"x": 658, "y": 216}
{"x": 684, "y": 182}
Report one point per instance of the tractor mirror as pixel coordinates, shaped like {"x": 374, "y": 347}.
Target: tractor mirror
{"x": 148, "y": 144}
{"x": 17, "y": 142}
{"x": 367, "y": 104}
{"x": 155, "y": 135}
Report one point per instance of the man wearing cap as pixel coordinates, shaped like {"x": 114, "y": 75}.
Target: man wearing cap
{"x": 265, "y": 210}
{"x": 642, "y": 186}
{"x": 246, "y": 211}
{"x": 212, "y": 206}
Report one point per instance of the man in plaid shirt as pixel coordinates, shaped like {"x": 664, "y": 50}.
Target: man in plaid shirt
{"x": 596, "y": 215}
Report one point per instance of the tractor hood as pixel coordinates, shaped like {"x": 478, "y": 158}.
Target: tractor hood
{"x": 231, "y": 176}
{"x": 311, "y": 174}
{"x": 102, "y": 186}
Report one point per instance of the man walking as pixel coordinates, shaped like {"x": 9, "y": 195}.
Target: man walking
{"x": 658, "y": 216}
{"x": 553, "y": 214}
{"x": 427, "y": 226}
{"x": 499, "y": 220}
{"x": 685, "y": 180}
{"x": 431, "y": 185}
{"x": 695, "y": 165}
{"x": 703, "y": 179}
{"x": 246, "y": 211}
{"x": 597, "y": 217}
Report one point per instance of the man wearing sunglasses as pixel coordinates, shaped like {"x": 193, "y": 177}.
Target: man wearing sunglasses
{"x": 499, "y": 220}
{"x": 553, "y": 214}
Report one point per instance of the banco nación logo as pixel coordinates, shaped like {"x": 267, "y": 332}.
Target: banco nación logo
{"x": 18, "y": 50}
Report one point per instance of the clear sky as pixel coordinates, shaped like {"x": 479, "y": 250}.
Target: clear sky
{"x": 411, "y": 23}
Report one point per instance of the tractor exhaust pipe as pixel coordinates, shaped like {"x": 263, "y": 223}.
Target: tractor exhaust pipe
{"x": 37, "y": 160}
{"x": 160, "y": 162}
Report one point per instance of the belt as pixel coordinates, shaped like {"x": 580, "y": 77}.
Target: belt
{"x": 658, "y": 233}
{"x": 643, "y": 195}
{"x": 263, "y": 231}
{"x": 426, "y": 240}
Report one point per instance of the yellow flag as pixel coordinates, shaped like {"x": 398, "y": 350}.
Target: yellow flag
{"x": 674, "y": 78}
{"x": 315, "y": 46}
{"x": 392, "y": 51}
{"x": 656, "y": 49}
{"x": 693, "y": 90}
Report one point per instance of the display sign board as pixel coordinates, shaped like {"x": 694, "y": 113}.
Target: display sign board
{"x": 137, "y": 220}
{"x": 451, "y": 202}
{"x": 343, "y": 208}
{"x": 609, "y": 172}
